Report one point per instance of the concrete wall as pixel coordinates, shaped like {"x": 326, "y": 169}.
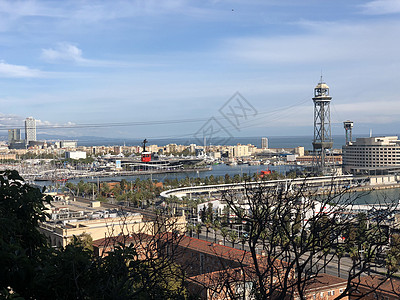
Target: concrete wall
{"x": 387, "y": 179}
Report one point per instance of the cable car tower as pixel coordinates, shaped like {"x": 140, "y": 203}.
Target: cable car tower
{"x": 348, "y": 127}
{"x": 322, "y": 126}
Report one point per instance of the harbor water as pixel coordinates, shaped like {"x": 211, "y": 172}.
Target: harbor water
{"x": 365, "y": 197}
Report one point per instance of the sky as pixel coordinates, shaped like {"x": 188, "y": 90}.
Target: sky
{"x": 175, "y": 68}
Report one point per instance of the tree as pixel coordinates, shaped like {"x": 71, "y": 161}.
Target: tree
{"x": 197, "y": 229}
{"x": 104, "y": 188}
{"x": 141, "y": 266}
{"x": 233, "y": 236}
{"x": 236, "y": 178}
{"x": 340, "y": 251}
{"x": 300, "y": 231}
{"x": 393, "y": 255}
{"x": 216, "y": 225}
{"x": 31, "y": 269}
{"x": 123, "y": 184}
{"x": 227, "y": 179}
{"x": 21, "y": 244}
{"x": 224, "y": 233}
{"x": 84, "y": 240}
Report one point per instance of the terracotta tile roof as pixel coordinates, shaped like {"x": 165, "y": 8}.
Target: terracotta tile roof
{"x": 323, "y": 281}
{"x": 390, "y": 286}
{"x": 218, "y": 277}
{"x": 225, "y": 252}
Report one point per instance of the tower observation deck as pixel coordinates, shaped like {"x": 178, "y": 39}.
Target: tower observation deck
{"x": 322, "y": 126}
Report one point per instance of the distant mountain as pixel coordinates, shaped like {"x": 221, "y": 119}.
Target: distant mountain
{"x": 43, "y": 136}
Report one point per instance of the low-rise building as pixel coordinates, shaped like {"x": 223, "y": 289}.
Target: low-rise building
{"x": 61, "y": 233}
{"x": 372, "y": 156}
{"x": 379, "y": 288}
{"x": 75, "y": 154}
{"x": 8, "y": 156}
{"x": 69, "y": 218}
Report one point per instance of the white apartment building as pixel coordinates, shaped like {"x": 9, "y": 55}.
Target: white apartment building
{"x": 264, "y": 143}
{"x": 75, "y": 155}
{"x": 30, "y": 130}
{"x": 240, "y": 150}
{"x": 372, "y": 156}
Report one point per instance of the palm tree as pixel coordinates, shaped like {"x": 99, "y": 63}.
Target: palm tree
{"x": 354, "y": 255}
{"x": 224, "y": 233}
{"x": 190, "y": 229}
{"x": 339, "y": 254}
{"x": 325, "y": 252}
{"x": 208, "y": 224}
{"x": 216, "y": 226}
{"x": 198, "y": 230}
{"x": 233, "y": 237}
{"x": 243, "y": 241}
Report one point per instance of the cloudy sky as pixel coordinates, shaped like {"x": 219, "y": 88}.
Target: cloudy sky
{"x": 151, "y": 68}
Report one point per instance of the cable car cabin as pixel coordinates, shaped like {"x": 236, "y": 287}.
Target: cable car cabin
{"x": 146, "y": 156}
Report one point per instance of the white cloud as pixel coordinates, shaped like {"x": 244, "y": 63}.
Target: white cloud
{"x": 17, "y": 71}
{"x": 69, "y": 53}
{"x": 381, "y": 7}
{"x": 9, "y": 120}
{"x": 29, "y": 8}
{"x": 63, "y": 52}
{"x": 97, "y": 11}
{"x": 322, "y": 44}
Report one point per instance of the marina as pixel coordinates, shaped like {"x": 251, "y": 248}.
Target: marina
{"x": 215, "y": 170}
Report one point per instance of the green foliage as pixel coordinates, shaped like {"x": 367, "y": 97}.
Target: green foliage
{"x": 21, "y": 210}
{"x": 31, "y": 269}
{"x": 121, "y": 276}
{"x": 84, "y": 241}
{"x": 64, "y": 274}
{"x": 393, "y": 255}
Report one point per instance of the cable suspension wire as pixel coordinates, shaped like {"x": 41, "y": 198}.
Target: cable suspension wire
{"x": 261, "y": 116}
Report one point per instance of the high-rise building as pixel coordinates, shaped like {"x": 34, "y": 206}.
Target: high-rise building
{"x": 264, "y": 143}
{"x": 14, "y": 135}
{"x": 30, "y": 130}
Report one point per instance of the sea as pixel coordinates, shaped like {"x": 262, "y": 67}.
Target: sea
{"x": 273, "y": 141}
{"x": 217, "y": 170}
{"x": 391, "y": 195}
{"x": 370, "y": 197}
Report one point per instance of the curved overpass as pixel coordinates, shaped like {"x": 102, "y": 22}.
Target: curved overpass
{"x": 345, "y": 180}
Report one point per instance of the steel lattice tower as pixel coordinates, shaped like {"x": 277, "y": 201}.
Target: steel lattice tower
{"x": 348, "y": 127}
{"x": 322, "y": 126}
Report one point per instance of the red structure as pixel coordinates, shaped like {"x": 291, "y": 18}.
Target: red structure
{"x": 146, "y": 156}
{"x": 264, "y": 173}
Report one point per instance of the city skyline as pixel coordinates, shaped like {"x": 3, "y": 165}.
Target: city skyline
{"x": 173, "y": 65}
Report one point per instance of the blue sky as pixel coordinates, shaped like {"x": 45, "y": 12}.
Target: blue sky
{"x": 144, "y": 63}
